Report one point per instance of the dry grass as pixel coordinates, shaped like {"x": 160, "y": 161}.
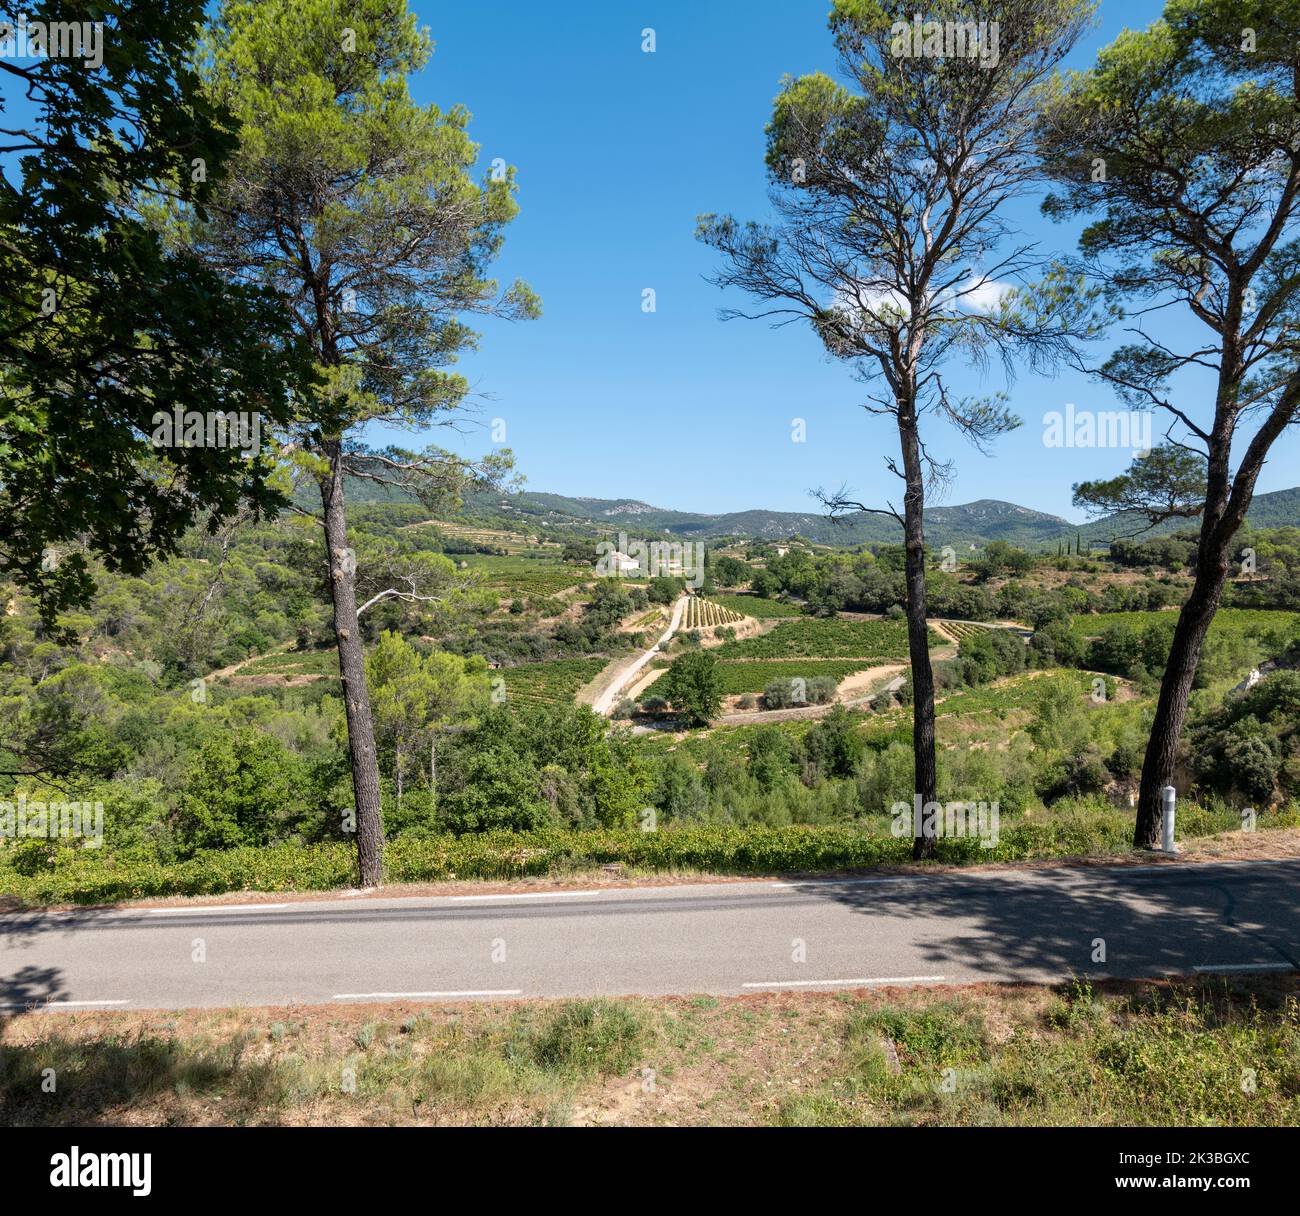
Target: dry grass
{"x": 1151, "y": 1053}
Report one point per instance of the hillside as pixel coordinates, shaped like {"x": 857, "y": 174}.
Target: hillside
{"x": 1279, "y": 509}
{"x": 965, "y": 526}
{"x": 961, "y": 526}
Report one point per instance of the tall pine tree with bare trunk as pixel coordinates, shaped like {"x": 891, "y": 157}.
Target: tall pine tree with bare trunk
{"x": 361, "y": 210}
{"x": 1184, "y": 141}
{"x": 891, "y": 239}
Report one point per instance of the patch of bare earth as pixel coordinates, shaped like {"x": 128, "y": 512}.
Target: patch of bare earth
{"x": 862, "y": 683}
{"x": 1279, "y": 844}
{"x": 272, "y": 679}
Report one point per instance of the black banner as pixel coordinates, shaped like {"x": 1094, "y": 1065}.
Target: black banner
{"x": 48, "y": 1166}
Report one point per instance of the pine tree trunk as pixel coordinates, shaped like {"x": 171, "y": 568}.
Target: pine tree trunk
{"x": 1175, "y": 687}
{"x": 918, "y": 633}
{"x": 352, "y": 672}
{"x": 1227, "y": 499}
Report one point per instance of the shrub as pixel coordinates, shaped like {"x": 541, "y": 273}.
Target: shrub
{"x": 821, "y": 690}
{"x": 693, "y": 687}
{"x": 1074, "y": 828}
{"x": 238, "y": 790}
{"x": 785, "y": 692}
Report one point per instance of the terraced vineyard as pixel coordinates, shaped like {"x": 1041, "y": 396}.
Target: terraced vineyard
{"x": 516, "y": 575}
{"x": 826, "y": 639}
{"x": 705, "y": 614}
{"x": 756, "y": 606}
{"x": 548, "y": 683}
{"x": 323, "y": 662}
{"x": 962, "y": 630}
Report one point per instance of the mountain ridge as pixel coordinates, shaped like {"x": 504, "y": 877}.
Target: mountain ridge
{"x": 961, "y": 525}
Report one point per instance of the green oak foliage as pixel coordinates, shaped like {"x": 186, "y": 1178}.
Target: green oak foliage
{"x": 692, "y": 686}
{"x": 416, "y": 698}
{"x": 242, "y": 789}
{"x": 544, "y": 765}
{"x": 832, "y": 746}
{"x": 101, "y": 326}
{"x": 1250, "y": 746}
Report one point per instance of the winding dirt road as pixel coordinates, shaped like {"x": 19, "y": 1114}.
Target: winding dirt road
{"x": 624, "y": 676}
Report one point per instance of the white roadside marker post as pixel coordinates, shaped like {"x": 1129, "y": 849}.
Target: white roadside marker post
{"x": 1169, "y": 794}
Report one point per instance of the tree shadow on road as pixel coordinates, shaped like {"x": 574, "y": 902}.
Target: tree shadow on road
{"x": 1120, "y": 921}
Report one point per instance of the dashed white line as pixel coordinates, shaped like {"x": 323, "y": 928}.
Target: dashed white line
{"x": 527, "y": 895}
{"x": 854, "y": 983}
{"x": 213, "y": 908}
{"x": 814, "y": 883}
{"x": 396, "y": 996}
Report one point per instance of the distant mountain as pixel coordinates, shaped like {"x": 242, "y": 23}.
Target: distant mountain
{"x": 1278, "y": 509}
{"x": 971, "y": 525}
{"x": 974, "y": 523}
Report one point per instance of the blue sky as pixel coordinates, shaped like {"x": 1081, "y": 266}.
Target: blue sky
{"x": 618, "y": 151}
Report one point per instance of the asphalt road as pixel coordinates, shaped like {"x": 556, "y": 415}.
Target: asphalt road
{"x": 720, "y": 938}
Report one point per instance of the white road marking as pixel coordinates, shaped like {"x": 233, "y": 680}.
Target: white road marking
{"x": 972, "y": 878}
{"x": 857, "y": 983}
{"x": 214, "y": 908}
{"x": 529, "y": 895}
{"x": 1216, "y": 967}
{"x": 392, "y": 996}
{"x": 814, "y": 883}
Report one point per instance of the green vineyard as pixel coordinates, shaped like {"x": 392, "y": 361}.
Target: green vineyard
{"x": 748, "y": 675}
{"x": 705, "y": 614}
{"x": 962, "y": 630}
{"x": 517, "y": 575}
{"x": 547, "y": 683}
{"x": 826, "y": 639}
{"x": 757, "y": 606}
